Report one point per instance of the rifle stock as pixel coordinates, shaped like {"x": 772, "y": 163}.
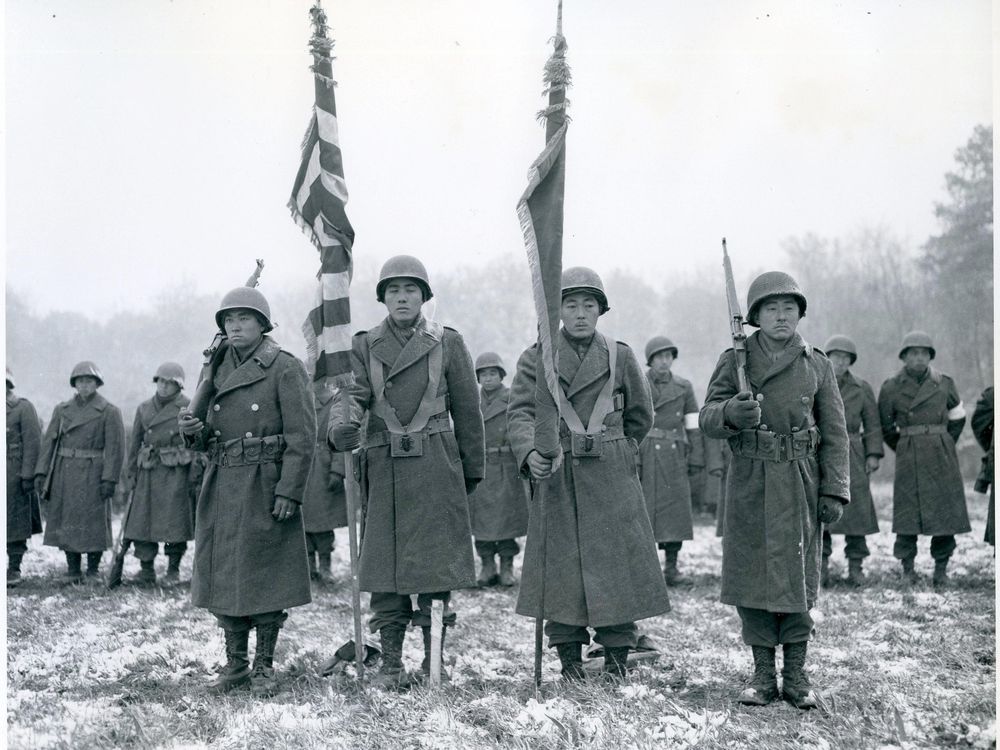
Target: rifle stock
{"x": 735, "y": 322}
{"x": 47, "y": 484}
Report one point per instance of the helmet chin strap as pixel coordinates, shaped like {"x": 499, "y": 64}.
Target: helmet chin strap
{"x": 430, "y": 308}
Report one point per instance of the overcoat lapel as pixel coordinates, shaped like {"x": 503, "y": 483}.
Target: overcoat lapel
{"x": 497, "y": 406}
{"x": 772, "y": 369}
{"x": 90, "y": 411}
{"x": 168, "y": 413}
{"x": 927, "y": 389}
{"x": 593, "y": 366}
{"x": 251, "y": 370}
{"x": 664, "y": 393}
{"x": 425, "y": 338}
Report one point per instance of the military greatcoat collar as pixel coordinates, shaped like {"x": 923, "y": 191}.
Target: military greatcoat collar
{"x": 926, "y": 389}
{"x": 80, "y": 414}
{"x": 577, "y": 374}
{"x": 665, "y": 390}
{"x": 251, "y": 369}
{"x": 385, "y": 347}
{"x": 151, "y": 417}
{"x": 497, "y": 405}
{"x": 760, "y": 368}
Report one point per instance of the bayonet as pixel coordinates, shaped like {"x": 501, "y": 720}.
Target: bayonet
{"x": 735, "y": 322}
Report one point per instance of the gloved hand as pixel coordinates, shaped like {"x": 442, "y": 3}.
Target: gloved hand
{"x": 39, "y": 484}
{"x": 28, "y": 486}
{"x": 831, "y": 509}
{"x": 716, "y": 472}
{"x": 871, "y": 464}
{"x": 470, "y": 485}
{"x": 188, "y": 424}
{"x": 742, "y": 411}
{"x": 107, "y": 489}
{"x": 346, "y": 437}
{"x": 694, "y": 470}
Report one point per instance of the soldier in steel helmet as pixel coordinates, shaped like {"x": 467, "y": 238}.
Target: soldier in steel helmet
{"x": 597, "y": 563}
{"x": 788, "y": 474}
{"x": 671, "y": 452}
{"x": 84, "y": 447}
{"x": 324, "y": 507}
{"x": 164, "y": 476}
{"x": 865, "y": 434}
{"x": 423, "y": 456}
{"x": 259, "y": 434}
{"x": 499, "y": 508}
{"x": 982, "y": 429}
{"x": 23, "y": 517}
{"x": 922, "y": 416}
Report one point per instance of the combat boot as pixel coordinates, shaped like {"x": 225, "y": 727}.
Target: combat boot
{"x": 615, "y": 662}
{"x": 263, "y": 683}
{"x": 425, "y": 665}
{"x": 146, "y": 575}
{"x": 824, "y": 572}
{"x": 313, "y": 567}
{"x": 73, "y": 572}
{"x": 391, "y": 674}
{"x": 763, "y": 686}
{"x": 671, "y": 576}
{"x": 488, "y": 572}
{"x": 507, "y": 571}
{"x": 94, "y": 565}
{"x": 236, "y": 671}
{"x": 910, "y": 575}
{"x": 173, "y": 574}
{"x": 940, "y": 573}
{"x": 14, "y": 568}
{"x": 571, "y": 661}
{"x": 325, "y": 568}
{"x": 855, "y": 573}
{"x": 795, "y": 685}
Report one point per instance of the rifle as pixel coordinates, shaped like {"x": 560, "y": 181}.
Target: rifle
{"x": 47, "y": 483}
{"x": 121, "y": 547}
{"x": 735, "y": 322}
{"x": 205, "y": 391}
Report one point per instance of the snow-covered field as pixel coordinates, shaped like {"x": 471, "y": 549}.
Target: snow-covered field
{"x": 900, "y": 667}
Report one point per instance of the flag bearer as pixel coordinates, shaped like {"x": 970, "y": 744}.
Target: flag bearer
{"x": 788, "y": 474}
{"x": 23, "y": 517}
{"x": 423, "y": 454}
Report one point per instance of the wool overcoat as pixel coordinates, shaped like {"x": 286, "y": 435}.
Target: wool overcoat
{"x": 717, "y": 457}
{"x": 600, "y": 561}
{"x": 24, "y": 435}
{"x": 245, "y": 561}
{"x": 163, "y": 471}
{"x": 865, "y": 434}
{"x": 982, "y": 428}
{"x": 499, "y": 506}
{"x": 416, "y": 538}
{"x": 664, "y": 460}
{"x": 325, "y": 505}
{"x": 771, "y": 542}
{"x": 928, "y": 496}
{"x": 78, "y": 519}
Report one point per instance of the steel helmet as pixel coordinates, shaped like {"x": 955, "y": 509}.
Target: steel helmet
{"x": 773, "y": 284}
{"x": 659, "y": 344}
{"x": 490, "y": 359}
{"x": 244, "y": 298}
{"x": 10, "y": 378}
{"x": 85, "y": 368}
{"x": 170, "y": 371}
{"x": 841, "y": 343}
{"x": 917, "y": 338}
{"x": 583, "y": 279}
{"x": 403, "y": 267}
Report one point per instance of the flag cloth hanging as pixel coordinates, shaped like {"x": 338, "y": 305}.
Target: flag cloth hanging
{"x": 318, "y": 201}
{"x": 540, "y": 212}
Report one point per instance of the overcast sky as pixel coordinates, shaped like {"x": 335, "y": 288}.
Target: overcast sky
{"x": 154, "y": 143}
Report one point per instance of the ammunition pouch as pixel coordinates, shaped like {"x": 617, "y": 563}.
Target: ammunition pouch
{"x": 923, "y": 429}
{"x": 167, "y": 455}
{"x": 15, "y": 451}
{"x": 590, "y": 445}
{"x": 409, "y": 444}
{"x": 248, "y": 451}
{"x": 770, "y": 446}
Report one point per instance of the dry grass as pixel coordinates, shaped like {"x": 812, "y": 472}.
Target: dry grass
{"x": 900, "y": 667}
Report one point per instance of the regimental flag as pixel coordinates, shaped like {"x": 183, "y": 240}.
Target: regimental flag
{"x": 318, "y": 204}
{"x": 540, "y": 212}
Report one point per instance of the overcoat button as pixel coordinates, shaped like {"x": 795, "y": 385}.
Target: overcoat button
{"x": 795, "y": 429}
{"x": 763, "y": 427}
{"x": 576, "y": 461}
{"x": 249, "y": 434}
{"x": 389, "y": 384}
{"x": 254, "y": 407}
{"x": 657, "y": 446}
{"x": 218, "y": 433}
{"x": 216, "y": 408}
{"x": 805, "y": 399}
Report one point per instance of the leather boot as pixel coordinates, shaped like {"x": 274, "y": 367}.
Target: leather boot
{"x": 571, "y": 660}
{"x": 615, "y": 661}
{"x": 94, "y": 564}
{"x": 763, "y": 686}
{"x": 324, "y": 568}
{"x": 909, "y": 574}
{"x": 670, "y": 574}
{"x": 488, "y": 572}
{"x": 313, "y": 568}
{"x": 855, "y": 572}
{"x": 236, "y": 673}
{"x": 73, "y": 572}
{"x": 940, "y": 573}
{"x": 14, "y": 568}
{"x": 263, "y": 683}
{"x": 507, "y": 571}
{"x": 391, "y": 674}
{"x": 824, "y": 572}
{"x": 795, "y": 685}
{"x": 173, "y": 574}
{"x": 146, "y": 575}
{"x": 425, "y": 665}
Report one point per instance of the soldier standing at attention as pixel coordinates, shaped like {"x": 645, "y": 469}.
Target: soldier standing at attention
{"x": 982, "y": 429}
{"x": 423, "y": 456}
{"x": 788, "y": 474}
{"x": 250, "y": 548}
{"x": 671, "y": 452}
{"x": 325, "y": 505}
{"x": 600, "y": 565}
{"x": 922, "y": 417}
{"x": 23, "y": 517}
{"x": 865, "y": 434}
{"x": 84, "y": 445}
{"x": 164, "y": 476}
{"x": 499, "y": 508}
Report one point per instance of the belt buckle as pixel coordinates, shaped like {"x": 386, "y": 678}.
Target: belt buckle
{"x": 587, "y": 445}
{"x": 406, "y": 445}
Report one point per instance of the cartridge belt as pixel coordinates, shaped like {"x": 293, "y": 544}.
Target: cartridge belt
{"x": 248, "y": 451}
{"x": 437, "y": 423}
{"x": 924, "y": 429}
{"x": 660, "y": 434}
{"x": 771, "y": 446}
{"x": 79, "y": 453}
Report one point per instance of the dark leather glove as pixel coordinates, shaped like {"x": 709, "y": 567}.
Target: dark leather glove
{"x": 107, "y": 489}
{"x": 39, "y": 484}
{"x": 831, "y": 509}
{"x": 694, "y": 470}
{"x": 28, "y": 486}
{"x": 346, "y": 437}
{"x": 470, "y": 485}
{"x": 742, "y": 411}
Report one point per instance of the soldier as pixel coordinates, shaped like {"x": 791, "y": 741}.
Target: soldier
{"x": 418, "y": 466}
{"x": 922, "y": 417}
{"x": 865, "y": 435}
{"x": 23, "y": 516}
{"x": 788, "y": 474}
{"x": 325, "y": 505}
{"x": 982, "y": 428}
{"x": 164, "y": 477}
{"x": 499, "y": 509}
{"x": 671, "y": 451}
{"x": 84, "y": 447}
{"x": 597, "y": 563}
{"x": 250, "y": 550}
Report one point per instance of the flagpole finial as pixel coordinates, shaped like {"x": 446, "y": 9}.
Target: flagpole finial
{"x": 559, "y": 19}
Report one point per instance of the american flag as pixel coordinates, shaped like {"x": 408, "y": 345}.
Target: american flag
{"x": 318, "y": 201}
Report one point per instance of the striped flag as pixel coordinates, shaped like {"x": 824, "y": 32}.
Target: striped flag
{"x": 318, "y": 201}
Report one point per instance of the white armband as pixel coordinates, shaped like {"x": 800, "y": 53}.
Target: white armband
{"x": 691, "y": 421}
{"x": 957, "y": 413}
